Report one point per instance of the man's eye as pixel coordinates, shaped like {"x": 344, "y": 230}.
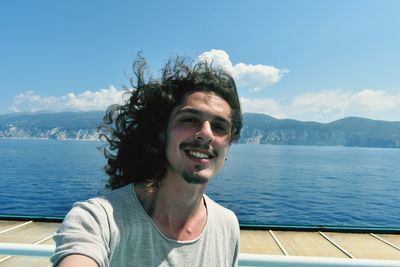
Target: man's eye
{"x": 190, "y": 120}
{"x": 221, "y": 128}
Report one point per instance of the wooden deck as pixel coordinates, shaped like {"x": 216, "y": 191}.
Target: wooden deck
{"x": 271, "y": 242}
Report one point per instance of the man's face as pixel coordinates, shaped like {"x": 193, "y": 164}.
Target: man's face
{"x": 198, "y": 137}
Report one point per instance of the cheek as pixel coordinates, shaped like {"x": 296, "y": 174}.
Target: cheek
{"x": 223, "y": 148}
{"x": 223, "y": 142}
{"x": 173, "y": 135}
{"x": 175, "y": 138}
{"x": 179, "y": 132}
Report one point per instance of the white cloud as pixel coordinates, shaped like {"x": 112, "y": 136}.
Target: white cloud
{"x": 263, "y": 105}
{"x": 86, "y": 101}
{"x": 376, "y": 101}
{"x": 326, "y": 105}
{"x": 217, "y": 57}
{"x": 321, "y": 106}
{"x": 247, "y": 76}
{"x": 330, "y": 105}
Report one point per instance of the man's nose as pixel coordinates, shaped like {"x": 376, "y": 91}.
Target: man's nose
{"x": 205, "y": 132}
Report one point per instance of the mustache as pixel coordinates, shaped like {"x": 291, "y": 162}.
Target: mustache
{"x": 199, "y": 145}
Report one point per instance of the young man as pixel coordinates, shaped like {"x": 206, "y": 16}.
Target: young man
{"x": 169, "y": 139}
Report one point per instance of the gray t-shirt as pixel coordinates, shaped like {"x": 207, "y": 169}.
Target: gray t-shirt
{"x": 114, "y": 230}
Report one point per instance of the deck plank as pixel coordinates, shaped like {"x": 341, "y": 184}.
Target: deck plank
{"x": 258, "y": 242}
{"x": 26, "y": 262}
{"x": 37, "y": 231}
{"x": 29, "y": 233}
{"x": 49, "y": 241}
{"x": 307, "y": 244}
{"x": 362, "y": 246}
{"x": 5, "y": 225}
{"x": 393, "y": 239}
{"x": 365, "y": 246}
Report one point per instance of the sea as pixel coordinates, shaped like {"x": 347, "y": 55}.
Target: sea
{"x": 262, "y": 184}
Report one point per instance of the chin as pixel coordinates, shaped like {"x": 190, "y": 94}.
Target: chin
{"x": 195, "y": 178}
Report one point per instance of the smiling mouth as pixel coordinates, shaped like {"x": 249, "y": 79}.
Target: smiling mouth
{"x": 199, "y": 152}
{"x": 198, "y": 155}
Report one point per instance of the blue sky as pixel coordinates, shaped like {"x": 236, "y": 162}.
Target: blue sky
{"x": 306, "y": 60}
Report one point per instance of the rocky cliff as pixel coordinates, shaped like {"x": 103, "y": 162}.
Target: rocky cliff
{"x": 257, "y": 129}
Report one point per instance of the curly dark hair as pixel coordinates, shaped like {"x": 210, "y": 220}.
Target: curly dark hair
{"x": 136, "y": 151}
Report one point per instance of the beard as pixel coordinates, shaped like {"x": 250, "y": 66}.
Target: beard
{"x": 194, "y": 177}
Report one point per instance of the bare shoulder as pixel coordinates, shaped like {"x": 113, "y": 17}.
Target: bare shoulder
{"x": 76, "y": 261}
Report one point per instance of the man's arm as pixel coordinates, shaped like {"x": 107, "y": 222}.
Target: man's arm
{"x": 77, "y": 261}
{"x": 83, "y": 236}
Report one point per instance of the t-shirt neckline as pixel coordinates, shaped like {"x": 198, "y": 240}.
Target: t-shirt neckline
{"x": 143, "y": 211}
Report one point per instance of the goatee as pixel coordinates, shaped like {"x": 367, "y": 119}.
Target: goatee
{"x": 194, "y": 178}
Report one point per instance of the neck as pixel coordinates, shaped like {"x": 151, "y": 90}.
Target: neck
{"x": 177, "y": 207}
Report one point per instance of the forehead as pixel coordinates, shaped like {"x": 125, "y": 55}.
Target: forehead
{"x": 207, "y": 103}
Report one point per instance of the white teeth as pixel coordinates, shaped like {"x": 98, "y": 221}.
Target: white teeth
{"x": 198, "y": 155}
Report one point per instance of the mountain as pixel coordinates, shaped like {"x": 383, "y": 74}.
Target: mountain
{"x": 62, "y": 125}
{"x": 351, "y": 131}
{"x": 257, "y": 129}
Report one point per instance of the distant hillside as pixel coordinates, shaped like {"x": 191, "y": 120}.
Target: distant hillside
{"x": 257, "y": 129}
{"x": 352, "y": 131}
{"x": 62, "y": 125}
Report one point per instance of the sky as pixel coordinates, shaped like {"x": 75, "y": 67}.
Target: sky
{"x": 305, "y": 60}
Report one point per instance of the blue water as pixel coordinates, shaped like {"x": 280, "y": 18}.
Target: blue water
{"x": 264, "y": 184}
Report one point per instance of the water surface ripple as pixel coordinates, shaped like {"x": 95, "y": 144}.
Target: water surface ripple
{"x": 263, "y": 184}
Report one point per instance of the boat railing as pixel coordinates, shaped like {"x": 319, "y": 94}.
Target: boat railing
{"x": 13, "y": 249}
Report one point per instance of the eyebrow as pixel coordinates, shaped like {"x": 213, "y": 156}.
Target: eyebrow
{"x": 199, "y": 113}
